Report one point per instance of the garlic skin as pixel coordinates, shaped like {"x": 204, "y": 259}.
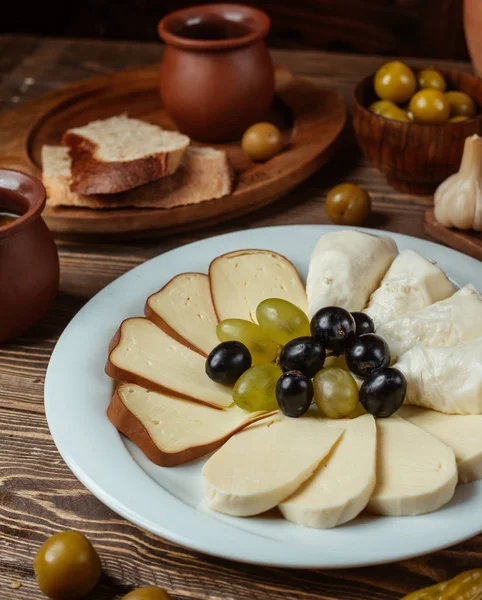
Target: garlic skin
{"x": 458, "y": 200}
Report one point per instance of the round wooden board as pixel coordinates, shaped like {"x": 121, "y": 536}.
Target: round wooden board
{"x": 311, "y": 119}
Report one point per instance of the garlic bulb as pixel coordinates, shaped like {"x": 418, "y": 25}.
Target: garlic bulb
{"x": 458, "y": 200}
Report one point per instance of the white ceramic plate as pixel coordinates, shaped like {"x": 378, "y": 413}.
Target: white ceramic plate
{"x": 168, "y": 502}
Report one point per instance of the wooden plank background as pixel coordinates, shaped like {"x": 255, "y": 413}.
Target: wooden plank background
{"x": 38, "y": 494}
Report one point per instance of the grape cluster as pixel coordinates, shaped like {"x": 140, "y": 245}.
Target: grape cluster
{"x": 285, "y": 362}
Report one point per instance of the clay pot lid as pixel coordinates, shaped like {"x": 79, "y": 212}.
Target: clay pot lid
{"x": 255, "y": 20}
{"x": 31, "y": 193}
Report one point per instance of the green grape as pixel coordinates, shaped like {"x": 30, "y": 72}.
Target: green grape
{"x": 262, "y": 349}
{"x": 256, "y": 388}
{"x": 281, "y": 320}
{"x": 336, "y": 392}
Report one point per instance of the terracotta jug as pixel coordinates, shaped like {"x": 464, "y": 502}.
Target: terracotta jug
{"x": 217, "y": 77}
{"x": 29, "y": 263}
{"x": 473, "y": 32}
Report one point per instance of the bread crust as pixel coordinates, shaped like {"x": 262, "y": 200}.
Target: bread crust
{"x": 129, "y": 425}
{"x": 92, "y": 176}
{"x": 186, "y": 186}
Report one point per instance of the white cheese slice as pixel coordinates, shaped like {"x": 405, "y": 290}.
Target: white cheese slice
{"x": 462, "y": 433}
{"x": 416, "y": 473}
{"x": 183, "y": 308}
{"x": 345, "y": 269}
{"x": 264, "y": 464}
{"x": 446, "y": 379}
{"x": 441, "y": 325}
{"x": 144, "y": 354}
{"x": 411, "y": 283}
{"x": 241, "y": 280}
{"x": 171, "y": 431}
{"x": 342, "y": 485}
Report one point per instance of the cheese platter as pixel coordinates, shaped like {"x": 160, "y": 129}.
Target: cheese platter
{"x": 172, "y": 420}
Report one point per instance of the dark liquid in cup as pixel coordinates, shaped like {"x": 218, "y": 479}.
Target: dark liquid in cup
{"x": 6, "y": 219}
{"x": 213, "y": 29}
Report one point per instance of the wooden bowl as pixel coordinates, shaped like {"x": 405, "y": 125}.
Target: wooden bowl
{"x": 415, "y": 157}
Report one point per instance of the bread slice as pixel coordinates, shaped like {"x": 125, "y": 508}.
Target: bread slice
{"x": 118, "y": 154}
{"x": 205, "y": 173}
{"x": 171, "y": 431}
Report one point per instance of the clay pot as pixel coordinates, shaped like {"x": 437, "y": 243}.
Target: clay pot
{"x": 29, "y": 263}
{"x": 473, "y": 29}
{"x": 216, "y": 73}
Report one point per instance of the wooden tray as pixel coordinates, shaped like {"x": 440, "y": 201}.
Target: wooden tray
{"x": 469, "y": 242}
{"x": 311, "y": 120}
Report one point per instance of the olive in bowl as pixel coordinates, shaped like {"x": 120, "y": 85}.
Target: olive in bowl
{"x": 415, "y": 157}
{"x": 262, "y": 141}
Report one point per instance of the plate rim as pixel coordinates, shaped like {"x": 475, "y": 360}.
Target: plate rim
{"x": 98, "y": 490}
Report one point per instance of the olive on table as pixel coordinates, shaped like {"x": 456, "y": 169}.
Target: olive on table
{"x": 66, "y": 566}
{"x": 431, "y": 79}
{"x": 147, "y": 593}
{"x": 395, "y": 81}
{"x": 430, "y": 106}
{"x": 262, "y": 141}
{"x": 461, "y": 104}
{"x": 348, "y": 204}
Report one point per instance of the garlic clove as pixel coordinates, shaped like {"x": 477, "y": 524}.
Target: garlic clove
{"x": 458, "y": 200}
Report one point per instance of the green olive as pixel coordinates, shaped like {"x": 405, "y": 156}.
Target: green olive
{"x": 67, "y": 567}
{"x": 147, "y": 593}
{"x": 348, "y": 204}
{"x": 395, "y": 81}
{"x": 430, "y": 106}
{"x": 461, "y": 105}
{"x": 381, "y": 106}
{"x": 458, "y": 119}
{"x": 397, "y": 114}
{"x": 431, "y": 79}
{"x": 262, "y": 141}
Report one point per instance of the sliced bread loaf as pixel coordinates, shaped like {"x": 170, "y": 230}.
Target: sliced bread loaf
{"x": 117, "y": 154}
{"x": 204, "y": 174}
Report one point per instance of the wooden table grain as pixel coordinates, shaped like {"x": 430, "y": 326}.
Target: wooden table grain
{"x": 40, "y": 496}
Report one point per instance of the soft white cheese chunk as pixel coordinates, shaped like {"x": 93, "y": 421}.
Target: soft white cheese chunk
{"x": 184, "y": 304}
{"x": 416, "y": 473}
{"x": 145, "y": 353}
{"x": 463, "y": 433}
{"x": 343, "y": 483}
{"x": 411, "y": 283}
{"x": 440, "y": 325}
{"x": 446, "y": 379}
{"x": 345, "y": 269}
{"x": 264, "y": 464}
{"x": 241, "y": 280}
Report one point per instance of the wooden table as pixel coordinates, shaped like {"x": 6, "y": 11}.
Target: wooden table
{"x": 39, "y": 495}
